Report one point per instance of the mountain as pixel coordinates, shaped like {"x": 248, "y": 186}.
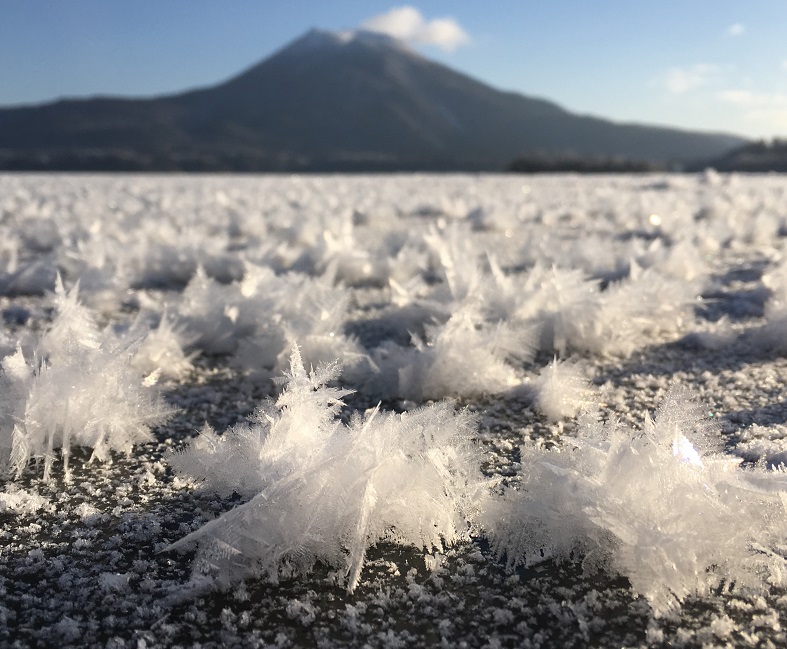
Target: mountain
{"x": 330, "y": 101}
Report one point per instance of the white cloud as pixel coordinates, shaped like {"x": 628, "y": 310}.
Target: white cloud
{"x": 735, "y": 30}
{"x": 409, "y": 25}
{"x": 680, "y": 80}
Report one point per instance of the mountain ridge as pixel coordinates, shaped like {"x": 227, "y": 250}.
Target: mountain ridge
{"x": 331, "y": 101}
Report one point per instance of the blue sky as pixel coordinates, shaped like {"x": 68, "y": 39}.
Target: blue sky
{"x": 706, "y": 65}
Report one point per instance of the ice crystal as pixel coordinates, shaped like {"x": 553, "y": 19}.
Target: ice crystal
{"x": 561, "y": 390}
{"x": 325, "y": 491}
{"x": 78, "y": 389}
{"x": 162, "y": 350}
{"x": 648, "y": 504}
{"x": 465, "y": 356}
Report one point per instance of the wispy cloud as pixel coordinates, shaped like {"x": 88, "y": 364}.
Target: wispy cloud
{"x": 680, "y": 80}
{"x": 735, "y": 29}
{"x": 408, "y": 24}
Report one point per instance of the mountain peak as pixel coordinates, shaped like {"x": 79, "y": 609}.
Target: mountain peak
{"x": 317, "y": 39}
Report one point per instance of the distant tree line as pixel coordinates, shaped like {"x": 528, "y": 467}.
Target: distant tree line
{"x": 545, "y": 163}
{"x": 247, "y": 161}
{"x": 127, "y": 160}
{"x": 760, "y": 156}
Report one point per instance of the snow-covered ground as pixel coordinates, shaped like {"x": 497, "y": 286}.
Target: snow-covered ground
{"x": 393, "y": 410}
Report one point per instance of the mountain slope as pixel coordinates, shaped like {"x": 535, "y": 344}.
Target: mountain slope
{"x": 330, "y": 101}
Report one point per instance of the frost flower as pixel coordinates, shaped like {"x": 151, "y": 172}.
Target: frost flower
{"x": 647, "y": 504}
{"x": 325, "y": 491}
{"x": 561, "y": 389}
{"x": 78, "y": 390}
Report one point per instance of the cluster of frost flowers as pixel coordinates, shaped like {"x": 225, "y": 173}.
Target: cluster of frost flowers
{"x": 475, "y": 289}
{"x": 405, "y": 297}
{"x": 646, "y": 503}
{"x": 321, "y": 490}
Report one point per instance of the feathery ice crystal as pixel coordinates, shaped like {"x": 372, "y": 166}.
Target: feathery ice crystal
{"x": 325, "y": 491}
{"x": 648, "y": 504}
{"x": 79, "y": 389}
{"x": 561, "y": 390}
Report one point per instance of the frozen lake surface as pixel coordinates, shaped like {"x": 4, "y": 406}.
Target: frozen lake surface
{"x": 555, "y": 414}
